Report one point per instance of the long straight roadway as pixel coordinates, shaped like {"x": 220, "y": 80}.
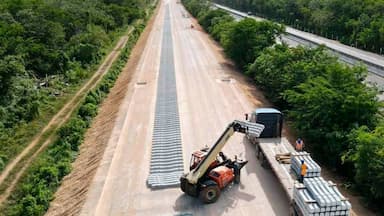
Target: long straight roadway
{"x": 210, "y": 94}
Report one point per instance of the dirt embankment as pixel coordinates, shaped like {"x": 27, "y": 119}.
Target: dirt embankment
{"x": 72, "y": 193}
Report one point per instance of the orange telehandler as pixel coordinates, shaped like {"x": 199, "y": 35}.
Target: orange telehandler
{"x": 211, "y": 170}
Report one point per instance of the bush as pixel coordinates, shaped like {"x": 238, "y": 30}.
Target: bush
{"x": 28, "y": 206}
{"x": 221, "y": 27}
{"x": 76, "y": 73}
{"x": 64, "y": 168}
{"x": 88, "y": 111}
{"x": 73, "y": 126}
{"x": 61, "y": 151}
{"x": 206, "y": 19}
{"x": 49, "y": 174}
{"x": 196, "y": 7}
{"x": 367, "y": 154}
{"x": 95, "y": 96}
{"x": 281, "y": 68}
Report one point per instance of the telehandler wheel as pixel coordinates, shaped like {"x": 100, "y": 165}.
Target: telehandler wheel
{"x": 210, "y": 193}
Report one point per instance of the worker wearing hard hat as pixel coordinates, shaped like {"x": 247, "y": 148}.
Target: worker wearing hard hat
{"x": 303, "y": 171}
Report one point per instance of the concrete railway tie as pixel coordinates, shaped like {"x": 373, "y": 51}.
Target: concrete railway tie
{"x": 166, "y": 155}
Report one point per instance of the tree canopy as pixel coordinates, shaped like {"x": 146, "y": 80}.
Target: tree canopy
{"x": 47, "y": 47}
{"x": 248, "y": 38}
{"x": 47, "y": 38}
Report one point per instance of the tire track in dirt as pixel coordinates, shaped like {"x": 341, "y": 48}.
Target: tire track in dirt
{"x": 57, "y": 121}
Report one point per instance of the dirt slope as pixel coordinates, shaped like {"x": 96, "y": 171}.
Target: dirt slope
{"x": 70, "y": 196}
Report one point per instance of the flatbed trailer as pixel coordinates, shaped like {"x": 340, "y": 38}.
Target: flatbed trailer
{"x": 314, "y": 197}
{"x": 269, "y": 145}
{"x": 266, "y": 151}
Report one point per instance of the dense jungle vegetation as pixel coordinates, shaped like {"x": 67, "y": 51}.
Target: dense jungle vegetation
{"x": 57, "y": 45}
{"x": 326, "y": 101}
{"x": 47, "y": 48}
{"x": 35, "y": 191}
{"x": 358, "y": 23}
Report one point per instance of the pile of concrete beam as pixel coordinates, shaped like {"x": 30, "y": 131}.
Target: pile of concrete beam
{"x": 319, "y": 197}
{"x": 313, "y": 169}
{"x": 254, "y": 129}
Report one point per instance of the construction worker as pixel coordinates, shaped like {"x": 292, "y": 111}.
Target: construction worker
{"x": 303, "y": 171}
{"x": 299, "y": 145}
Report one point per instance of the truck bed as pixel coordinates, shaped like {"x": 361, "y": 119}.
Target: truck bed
{"x": 272, "y": 146}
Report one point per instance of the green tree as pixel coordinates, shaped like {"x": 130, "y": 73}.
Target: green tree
{"x": 10, "y": 66}
{"x": 28, "y": 206}
{"x": 85, "y": 47}
{"x": 196, "y": 7}
{"x": 280, "y": 68}
{"x": 325, "y": 108}
{"x": 221, "y": 27}
{"x": 206, "y": 18}
{"x": 247, "y": 38}
{"x": 368, "y": 156}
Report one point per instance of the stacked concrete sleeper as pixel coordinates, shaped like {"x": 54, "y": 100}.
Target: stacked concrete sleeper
{"x": 315, "y": 196}
{"x": 313, "y": 168}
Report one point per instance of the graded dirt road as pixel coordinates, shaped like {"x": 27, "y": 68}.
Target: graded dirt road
{"x": 210, "y": 96}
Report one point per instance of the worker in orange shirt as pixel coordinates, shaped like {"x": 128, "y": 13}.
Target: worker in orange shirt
{"x": 303, "y": 171}
{"x": 299, "y": 145}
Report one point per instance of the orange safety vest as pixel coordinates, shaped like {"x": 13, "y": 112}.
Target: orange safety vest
{"x": 303, "y": 169}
